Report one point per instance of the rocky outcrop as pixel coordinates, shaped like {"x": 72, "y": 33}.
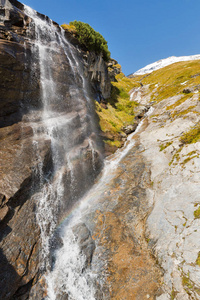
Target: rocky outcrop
{"x": 85, "y": 242}
{"x": 97, "y": 72}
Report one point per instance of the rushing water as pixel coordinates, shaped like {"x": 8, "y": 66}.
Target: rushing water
{"x": 66, "y": 120}
{"x": 69, "y": 275}
{"x": 66, "y": 123}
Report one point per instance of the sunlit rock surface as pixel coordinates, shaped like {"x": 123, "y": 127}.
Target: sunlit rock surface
{"x": 173, "y": 226}
{"x": 130, "y": 271}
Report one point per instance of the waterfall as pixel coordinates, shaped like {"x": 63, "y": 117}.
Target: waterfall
{"x": 71, "y": 274}
{"x": 66, "y": 121}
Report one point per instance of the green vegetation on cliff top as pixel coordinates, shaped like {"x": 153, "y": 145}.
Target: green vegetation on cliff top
{"x": 88, "y": 37}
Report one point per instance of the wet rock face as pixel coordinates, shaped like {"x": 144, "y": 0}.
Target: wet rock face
{"x": 85, "y": 242}
{"x": 99, "y": 73}
{"x": 24, "y": 157}
{"x": 20, "y": 233}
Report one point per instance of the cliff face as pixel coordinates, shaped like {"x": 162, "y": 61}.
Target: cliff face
{"x": 29, "y": 159}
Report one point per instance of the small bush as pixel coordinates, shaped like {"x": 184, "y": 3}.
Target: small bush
{"x": 91, "y": 39}
{"x": 70, "y": 28}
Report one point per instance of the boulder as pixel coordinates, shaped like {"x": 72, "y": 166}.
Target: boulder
{"x": 187, "y": 91}
{"x": 129, "y": 128}
{"x": 85, "y": 242}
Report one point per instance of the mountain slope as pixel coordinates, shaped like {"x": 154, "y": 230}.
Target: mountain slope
{"x": 165, "y": 62}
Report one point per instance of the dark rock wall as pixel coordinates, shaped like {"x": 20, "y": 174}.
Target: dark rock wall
{"x": 20, "y": 106}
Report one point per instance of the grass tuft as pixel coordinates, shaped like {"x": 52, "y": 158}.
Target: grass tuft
{"x": 191, "y": 136}
{"x": 197, "y": 213}
{"x": 164, "y": 146}
{"x": 198, "y": 259}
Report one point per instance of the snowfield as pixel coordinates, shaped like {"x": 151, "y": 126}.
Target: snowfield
{"x": 165, "y": 62}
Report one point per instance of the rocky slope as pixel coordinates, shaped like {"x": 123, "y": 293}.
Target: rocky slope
{"x": 171, "y": 146}
{"x": 146, "y": 221}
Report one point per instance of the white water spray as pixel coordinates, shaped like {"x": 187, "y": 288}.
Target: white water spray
{"x": 56, "y": 124}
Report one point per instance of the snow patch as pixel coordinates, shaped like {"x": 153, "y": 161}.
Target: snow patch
{"x": 184, "y": 82}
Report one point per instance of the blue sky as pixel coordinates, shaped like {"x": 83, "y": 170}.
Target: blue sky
{"x": 138, "y": 32}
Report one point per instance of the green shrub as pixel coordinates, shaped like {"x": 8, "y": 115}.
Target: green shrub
{"x": 91, "y": 39}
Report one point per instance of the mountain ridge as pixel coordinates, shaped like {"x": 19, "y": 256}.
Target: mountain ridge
{"x": 163, "y": 63}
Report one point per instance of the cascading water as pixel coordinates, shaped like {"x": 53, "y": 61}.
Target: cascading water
{"x": 71, "y": 275}
{"x": 66, "y": 121}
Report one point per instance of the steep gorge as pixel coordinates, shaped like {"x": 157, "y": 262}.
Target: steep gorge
{"x": 74, "y": 225}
